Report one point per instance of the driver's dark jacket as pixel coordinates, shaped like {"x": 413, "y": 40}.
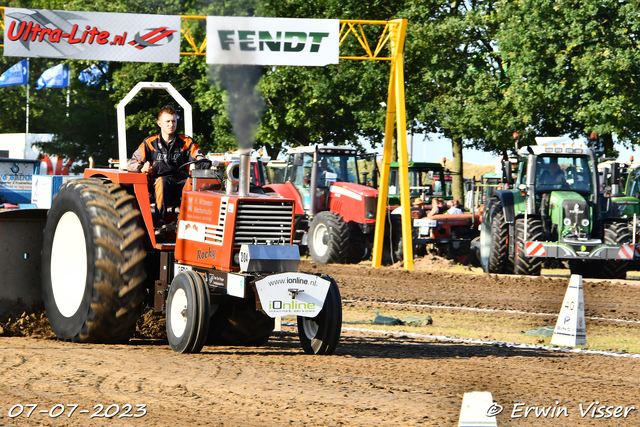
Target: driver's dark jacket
{"x": 165, "y": 159}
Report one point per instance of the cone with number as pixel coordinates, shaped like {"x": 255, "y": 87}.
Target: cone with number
{"x": 570, "y": 329}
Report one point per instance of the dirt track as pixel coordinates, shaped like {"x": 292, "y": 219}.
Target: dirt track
{"x": 371, "y": 380}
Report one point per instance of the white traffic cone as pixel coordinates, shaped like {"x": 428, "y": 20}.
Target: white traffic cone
{"x": 478, "y": 410}
{"x": 570, "y": 329}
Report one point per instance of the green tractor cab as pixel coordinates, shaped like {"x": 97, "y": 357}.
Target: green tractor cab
{"x": 426, "y": 180}
{"x": 555, "y": 210}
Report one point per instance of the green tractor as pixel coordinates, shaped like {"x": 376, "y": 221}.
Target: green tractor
{"x": 555, "y": 210}
{"x": 624, "y": 180}
{"x": 426, "y": 180}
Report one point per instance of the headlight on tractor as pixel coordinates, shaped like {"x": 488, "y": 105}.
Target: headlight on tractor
{"x": 585, "y": 222}
{"x": 370, "y": 215}
{"x": 567, "y": 221}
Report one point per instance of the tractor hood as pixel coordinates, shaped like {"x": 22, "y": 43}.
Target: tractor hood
{"x": 571, "y": 214}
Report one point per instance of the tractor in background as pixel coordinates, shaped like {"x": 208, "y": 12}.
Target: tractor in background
{"x": 546, "y": 214}
{"x": 257, "y": 176}
{"x": 622, "y": 180}
{"x": 335, "y": 208}
{"x": 426, "y": 180}
{"x": 223, "y": 270}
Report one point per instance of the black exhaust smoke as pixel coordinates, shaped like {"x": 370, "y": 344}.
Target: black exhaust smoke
{"x": 244, "y": 106}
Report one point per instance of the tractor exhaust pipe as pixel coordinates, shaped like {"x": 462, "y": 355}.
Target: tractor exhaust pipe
{"x": 233, "y": 177}
{"x": 243, "y": 185}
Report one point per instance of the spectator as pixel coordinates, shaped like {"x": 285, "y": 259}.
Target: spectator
{"x": 454, "y": 207}
{"x": 417, "y": 210}
{"x": 437, "y": 207}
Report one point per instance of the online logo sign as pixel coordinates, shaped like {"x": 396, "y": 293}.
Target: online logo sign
{"x": 272, "y": 41}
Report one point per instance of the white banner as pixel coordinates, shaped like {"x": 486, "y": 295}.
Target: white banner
{"x": 98, "y": 36}
{"x": 272, "y": 41}
{"x": 297, "y": 294}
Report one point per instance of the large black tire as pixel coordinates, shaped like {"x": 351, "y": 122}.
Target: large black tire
{"x": 616, "y": 233}
{"x": 188, "y": 313}
{"x": 474, "y": 253}
{"x": 93, "y": 263}
{"x": 237, "y": 322}
{"x": 328, "y": 238}
{"x": 357, "y": 245}
{"x": 528, "y": 266}
{"x": 586, "y": 269}
{"x": 493, "y": 239}
{"x": 321, "y": 334}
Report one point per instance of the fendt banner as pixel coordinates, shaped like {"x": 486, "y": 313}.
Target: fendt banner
{"x": 102, "y": 36}
{"x": 272, "y": 41}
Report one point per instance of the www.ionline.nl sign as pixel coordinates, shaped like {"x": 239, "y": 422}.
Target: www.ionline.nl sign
{"x": 101, "y": 36}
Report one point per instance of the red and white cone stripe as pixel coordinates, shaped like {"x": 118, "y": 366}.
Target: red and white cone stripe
{"x": 535, "y": 249}
{"x": 625, "y": 252}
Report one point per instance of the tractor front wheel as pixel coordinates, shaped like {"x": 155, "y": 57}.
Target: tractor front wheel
{"x": 328, "y": 238}
{"x": 321, "y": 334}
{"x": 188, "y": 313}
{"x": 528, "y": 266}
{"x": 616, "y": 233}
{"x": 493, "y": 239}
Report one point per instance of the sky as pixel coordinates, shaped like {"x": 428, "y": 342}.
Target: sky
{"x": 436, "y": 147}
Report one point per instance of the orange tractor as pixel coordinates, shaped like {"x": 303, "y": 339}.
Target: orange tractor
{"x": 222, "y": 272}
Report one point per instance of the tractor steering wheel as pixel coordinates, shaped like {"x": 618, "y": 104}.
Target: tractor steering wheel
{"x": 185, "y": 172}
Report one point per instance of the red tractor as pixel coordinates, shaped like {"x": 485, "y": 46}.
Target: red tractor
{"x": 222, "y": 272}
{"x": 335, "y": 197}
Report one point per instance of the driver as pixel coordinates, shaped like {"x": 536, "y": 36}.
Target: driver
{"x": 161, "y": 155}
{"x": 552, "y": 175}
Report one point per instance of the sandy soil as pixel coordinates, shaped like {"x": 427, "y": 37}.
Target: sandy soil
{"x": 372, "y": 379}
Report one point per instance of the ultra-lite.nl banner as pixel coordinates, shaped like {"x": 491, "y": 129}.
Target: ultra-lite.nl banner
{"x": 102, "y": 36}
{"x": 272, "y": 41}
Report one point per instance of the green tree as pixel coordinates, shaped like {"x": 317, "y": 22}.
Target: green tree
{"x": 573, "y": 67}
{"x": 456, "y": 77}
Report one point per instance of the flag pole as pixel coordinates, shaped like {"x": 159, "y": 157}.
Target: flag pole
{"x": 27, "y": 96}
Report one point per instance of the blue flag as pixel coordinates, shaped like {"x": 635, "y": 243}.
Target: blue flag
{"x": 93, "y": 75}
{"x": 54, "y": 77}
{"x": 17, "y": 75}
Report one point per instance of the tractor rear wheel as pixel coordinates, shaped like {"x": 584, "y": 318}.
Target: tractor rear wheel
{"x": 237, "y": 322}
{"x": 321, "y": 334}
{"x": 328, "y": 238}
{"x": 616, "y": 233}
{"x": 528, "y": 266}
{"x": 493, "y": 239}
{"x": 357, "y": 245}
{"x": 188, "y": 313}
{"x": 586, "y": 269}
{"x": 474, "y": 254}
{"x": 92, "y": 263}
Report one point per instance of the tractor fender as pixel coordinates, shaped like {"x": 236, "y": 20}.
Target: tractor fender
{"x": 506, "y": 198}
